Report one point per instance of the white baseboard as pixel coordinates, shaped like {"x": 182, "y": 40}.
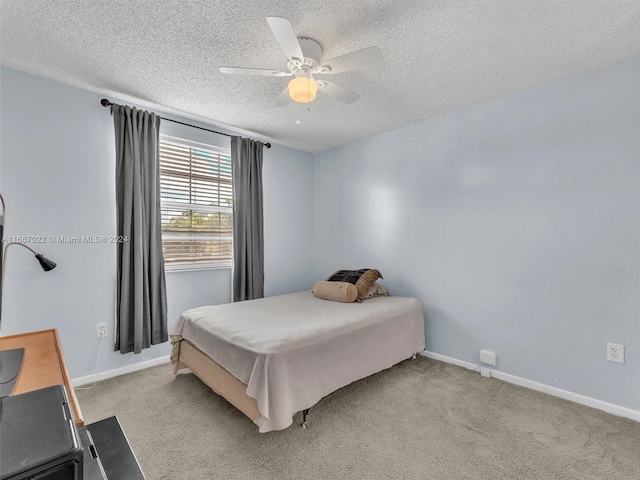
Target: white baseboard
{"x": 541, "y": 387}
{"x": 453, "y": 361}
{"x": 89, "y": 379}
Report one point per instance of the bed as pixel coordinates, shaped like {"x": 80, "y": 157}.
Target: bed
{"x": 276, "y": 356}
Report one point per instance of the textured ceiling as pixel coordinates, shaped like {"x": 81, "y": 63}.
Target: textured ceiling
{"x": 440, "y": 55}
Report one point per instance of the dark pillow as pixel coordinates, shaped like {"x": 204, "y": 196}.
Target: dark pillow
{"x": 363, "y": 279}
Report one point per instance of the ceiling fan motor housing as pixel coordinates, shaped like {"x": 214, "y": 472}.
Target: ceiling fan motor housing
{"x": 312, "y": 51}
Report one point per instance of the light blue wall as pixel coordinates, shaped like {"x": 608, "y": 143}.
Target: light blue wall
{"x": 57, "y": 155}
{"x": 515, "y": 222}
{"x": 288, "y": 220}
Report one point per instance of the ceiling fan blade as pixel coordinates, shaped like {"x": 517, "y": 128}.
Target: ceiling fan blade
{"x": 337, "y": 91}
{"x": 353, "y": 60}
{"x": 253, "y": 71}
{"x": 283, "y": 99}
{"x": 286, "y": 37}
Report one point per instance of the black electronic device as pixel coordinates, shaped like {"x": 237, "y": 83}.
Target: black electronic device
{"x": 39, "y": 438}
{"x": 10, "y": 363}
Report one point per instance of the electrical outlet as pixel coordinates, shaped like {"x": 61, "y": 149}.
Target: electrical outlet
{"x": 615, "y": 352}
{"x": 101, "y": 330}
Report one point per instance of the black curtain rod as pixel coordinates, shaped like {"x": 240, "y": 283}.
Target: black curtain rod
{"x": 106, "y": 103}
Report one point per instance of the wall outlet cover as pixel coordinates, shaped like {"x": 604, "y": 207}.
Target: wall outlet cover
{"x": 488, "y": 357}
{"x": 101, "y": 330}
{"x": 615, "y": 352}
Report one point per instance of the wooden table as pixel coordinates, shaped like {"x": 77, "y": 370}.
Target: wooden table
{"x": 43, "y": 365}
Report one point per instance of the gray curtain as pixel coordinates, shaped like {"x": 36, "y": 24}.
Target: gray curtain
{"x": 141, "y": 297}
{"x": 248, "y": 231}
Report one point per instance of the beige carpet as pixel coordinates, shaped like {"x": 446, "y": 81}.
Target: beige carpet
{"x": 418, "y": 420}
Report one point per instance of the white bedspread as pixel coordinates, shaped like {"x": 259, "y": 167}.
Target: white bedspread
{"x": 292, "y": 350}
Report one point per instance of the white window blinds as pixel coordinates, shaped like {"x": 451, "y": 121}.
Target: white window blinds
{"x": 196, "y": 196}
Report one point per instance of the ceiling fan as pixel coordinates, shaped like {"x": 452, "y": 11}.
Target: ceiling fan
{"x": 305, "y": 57}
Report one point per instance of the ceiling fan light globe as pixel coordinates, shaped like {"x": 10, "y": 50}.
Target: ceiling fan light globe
{"x": 303, "y": 89}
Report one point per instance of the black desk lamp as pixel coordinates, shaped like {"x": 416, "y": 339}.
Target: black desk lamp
{"x": 11, "y": 360}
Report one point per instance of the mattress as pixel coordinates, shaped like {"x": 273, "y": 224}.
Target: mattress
{"x": 292, "y": 350}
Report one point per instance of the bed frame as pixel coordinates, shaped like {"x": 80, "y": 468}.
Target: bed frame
{"x": 218, "y": 379}
{"x": 222, "y": 382}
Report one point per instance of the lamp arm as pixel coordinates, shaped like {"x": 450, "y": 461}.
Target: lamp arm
{"x": 4, "y": 263}
{"x": 22, "y": 245}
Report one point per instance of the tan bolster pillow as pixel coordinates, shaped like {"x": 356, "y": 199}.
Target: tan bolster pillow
{"x": 336, "y": 291}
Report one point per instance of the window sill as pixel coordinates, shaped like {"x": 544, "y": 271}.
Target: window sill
{"x": 194, "y": 268}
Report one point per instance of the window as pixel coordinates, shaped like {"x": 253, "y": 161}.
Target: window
{"x": 196, "y": 196}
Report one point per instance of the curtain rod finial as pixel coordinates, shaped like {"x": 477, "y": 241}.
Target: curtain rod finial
{"x": 105, "y": 103}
